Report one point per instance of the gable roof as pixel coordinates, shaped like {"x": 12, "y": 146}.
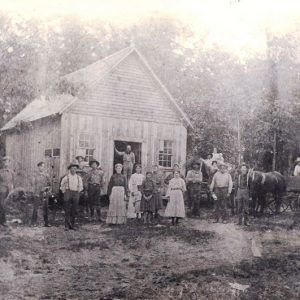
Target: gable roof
{"x": 105, "y": 66}
{"x": 88, "y": 75}
{"x": 40, "y": 108}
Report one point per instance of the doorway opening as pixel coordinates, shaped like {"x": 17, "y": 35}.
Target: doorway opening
{"x": 136, "y": 148}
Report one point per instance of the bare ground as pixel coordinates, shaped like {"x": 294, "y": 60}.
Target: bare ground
{"x": 195, "y": 260}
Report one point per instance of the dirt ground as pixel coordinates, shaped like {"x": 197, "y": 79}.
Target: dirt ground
{"x": 194, "y": 260}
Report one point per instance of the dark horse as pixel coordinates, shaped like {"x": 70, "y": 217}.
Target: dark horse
{"x": 260, "y": 184}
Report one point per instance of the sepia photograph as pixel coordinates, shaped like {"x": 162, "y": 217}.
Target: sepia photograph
{"x": 150, "y": 150}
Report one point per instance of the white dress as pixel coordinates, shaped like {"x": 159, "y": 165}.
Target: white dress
{"x": 175, "y": 207}
{"x": 135, "y": 195}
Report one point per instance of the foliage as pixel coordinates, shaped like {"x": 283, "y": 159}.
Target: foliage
{"x": 215, "y": 88}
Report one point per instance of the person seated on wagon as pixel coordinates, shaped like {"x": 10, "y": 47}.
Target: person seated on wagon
{"x": 297, "y": 167}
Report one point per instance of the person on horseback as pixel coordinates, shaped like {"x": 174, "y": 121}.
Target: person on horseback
{"x": 242, "y": 194}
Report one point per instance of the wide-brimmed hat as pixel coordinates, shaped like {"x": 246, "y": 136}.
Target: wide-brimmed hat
{"x": 73, "y": 164}
{"x": 77, "y": 157}
{"x": 94, "y": 161}
{"x": 222, "y": 164}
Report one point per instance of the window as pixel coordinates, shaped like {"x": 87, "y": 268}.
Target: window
{"x": 48, "y": 153}
{"x": 86, "y": 140}
{"x": 52, "y": 152}
{"x": 89, "y": 153}
{"x": 56, "y": 152}
{"x": 165, "y": 154}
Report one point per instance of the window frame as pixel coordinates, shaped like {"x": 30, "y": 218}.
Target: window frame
{"x": 165, "y": 154}
{"x": 86, "y": 140}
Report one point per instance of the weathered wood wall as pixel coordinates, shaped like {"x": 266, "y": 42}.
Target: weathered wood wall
{"x": 129, "y": 92}
{"x": 27, "y": 148}
{"x": 106, "y": 130}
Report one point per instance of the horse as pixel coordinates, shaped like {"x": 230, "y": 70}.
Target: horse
{"x": 260, "y": 184}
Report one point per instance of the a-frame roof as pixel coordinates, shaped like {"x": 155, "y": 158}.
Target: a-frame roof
{"x": 89, "y": 76}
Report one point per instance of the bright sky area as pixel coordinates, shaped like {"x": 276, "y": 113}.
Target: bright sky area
{"x": 237, "y": 26}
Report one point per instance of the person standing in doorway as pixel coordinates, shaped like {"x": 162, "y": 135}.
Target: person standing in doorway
{"x": 71, "y": 186}
{"x": 95, "y": 183}
{"x": 128, "y": 161}
{"x": 42, "y": 188}
{"x": 221, "y": 185}
{"x": 7, "y": 179}
{"x": 242, "y": 194}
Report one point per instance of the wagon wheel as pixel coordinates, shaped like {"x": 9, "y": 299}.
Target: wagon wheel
{"x": 271, "y": 205}
{"x": 294, "y": 201}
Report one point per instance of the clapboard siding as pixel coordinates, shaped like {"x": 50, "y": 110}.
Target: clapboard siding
{"x": 28, "y": 147}
{"x": 106, "y": 130}
{"x": 130, "y": 92}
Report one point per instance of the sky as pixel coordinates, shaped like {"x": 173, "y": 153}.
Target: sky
{"x": 236, "y": 26}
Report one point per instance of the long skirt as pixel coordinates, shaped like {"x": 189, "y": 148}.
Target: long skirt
{"x": 134, "y": 205}
{"x": 117, "y": 207}
{"x": 175, "y": 207}
{"x": 148, "y": 205}
{"x": 158, "y": 201}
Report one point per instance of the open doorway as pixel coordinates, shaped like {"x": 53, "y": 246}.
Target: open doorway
{"x": 121, "y": 147}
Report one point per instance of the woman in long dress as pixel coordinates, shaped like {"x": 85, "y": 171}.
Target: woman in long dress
{"x": 134, "y": 186}
{"x": 175, "y": 208}
{"x": 117, "y": 190}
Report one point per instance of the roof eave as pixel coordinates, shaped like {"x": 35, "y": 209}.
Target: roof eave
{"x": 165, "y": 90}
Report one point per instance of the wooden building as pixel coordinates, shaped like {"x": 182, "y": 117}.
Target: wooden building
{"x": 124, "y": 103}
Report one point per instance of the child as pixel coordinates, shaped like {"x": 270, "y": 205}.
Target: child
{"x": 157, "y": 177}
{"x": 148, "y": 206}
{"x": 135, "y": 183}
{"x": 175, "y": 208}
{"x": 117, "y": 190}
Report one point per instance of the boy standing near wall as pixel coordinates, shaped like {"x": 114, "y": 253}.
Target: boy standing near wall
{"x": 94, "y": 181}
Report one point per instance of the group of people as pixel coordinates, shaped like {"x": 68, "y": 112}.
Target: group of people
{"x": 135, "y": 195}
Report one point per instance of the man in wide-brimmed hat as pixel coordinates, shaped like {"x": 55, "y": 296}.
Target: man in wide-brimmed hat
{"x": 7, "y": 178}
{"x": 194, "y": 179}
{"x": 297, "y": 167}
{"x": 221, "y": 185}
{"x": 94, "y": 183}
{"x": 71, "y": 186}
